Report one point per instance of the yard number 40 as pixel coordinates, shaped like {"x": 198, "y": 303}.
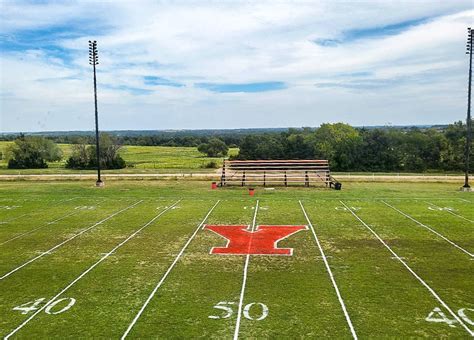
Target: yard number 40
{"x": 437, "y": 315}
{"x": 227, "y": 310}
{"x": 50, "y": 309}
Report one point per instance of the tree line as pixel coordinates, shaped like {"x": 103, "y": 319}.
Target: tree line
{"x": 230, "y": 139}
{"x": 359, "y": 149}
{"x": 346, "y": 147}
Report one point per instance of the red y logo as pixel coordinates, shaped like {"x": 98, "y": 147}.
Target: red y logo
{"x": 262, "y": 241}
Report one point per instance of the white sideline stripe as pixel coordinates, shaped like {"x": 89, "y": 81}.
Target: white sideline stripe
{"x": 163, "y": 278}
{"x": 333, "y": 280}
{"x": 67, "y": 240}
{"x": 244, "y": 279}
{"x": 430, "y": 229}
{"x": 471, "y": 333}
{"x": 87, "y": 271}
{"x": 42, "y": 226}
{"x": 451, "y": 212}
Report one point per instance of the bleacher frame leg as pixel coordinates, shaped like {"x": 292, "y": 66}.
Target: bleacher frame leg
{"x": 223, "y": 175}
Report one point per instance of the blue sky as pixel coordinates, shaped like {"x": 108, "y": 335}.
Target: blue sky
{"x": 232, "y": 64}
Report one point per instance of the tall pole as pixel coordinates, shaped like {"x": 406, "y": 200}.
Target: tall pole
{"x": 468, "y": 119}
{"x": 94, "y": 60}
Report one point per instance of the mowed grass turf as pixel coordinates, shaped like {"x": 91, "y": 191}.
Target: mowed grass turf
{"x": 134, "y": 259}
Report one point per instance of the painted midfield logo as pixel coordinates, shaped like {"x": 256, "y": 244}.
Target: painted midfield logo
{"x": 262, "y": 241}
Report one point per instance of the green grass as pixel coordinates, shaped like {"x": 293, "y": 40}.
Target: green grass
{"x": 138, "y": 159}
{"x": 383, "y": 299}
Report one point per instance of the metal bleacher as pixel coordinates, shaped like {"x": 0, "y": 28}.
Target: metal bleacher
{"x": 309, "y": 173}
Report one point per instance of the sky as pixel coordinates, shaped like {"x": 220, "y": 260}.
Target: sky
{"x": 232, "y": 64}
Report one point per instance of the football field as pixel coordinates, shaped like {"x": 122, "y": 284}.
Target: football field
{"x": 175, "y": 259}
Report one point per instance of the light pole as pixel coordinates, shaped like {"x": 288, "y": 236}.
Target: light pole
{"x": 94, "y": 60}
{"x": 466, "y": 186}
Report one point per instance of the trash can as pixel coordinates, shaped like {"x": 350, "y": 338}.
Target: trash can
{"x": 251, "y": 191}
{"x": 338, "y": 186}
{"x": 213, "y": 185}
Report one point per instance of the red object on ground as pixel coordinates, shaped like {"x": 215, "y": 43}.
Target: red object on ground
{"x": 251, "y": 191}
{"x": 262, "y": 241}
{"x": 213, "y": 185}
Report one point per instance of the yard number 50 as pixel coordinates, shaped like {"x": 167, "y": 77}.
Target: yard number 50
{"x": 227, "y": 310}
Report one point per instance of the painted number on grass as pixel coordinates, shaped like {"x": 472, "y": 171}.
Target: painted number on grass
{"x": 345, "y": 209}
{"x": 167, "y": 207}
{"x": 53, "y": 308}
{"x": 437, "y": 315}
{"x": 263, "y": 312}
{"x": 9, "y": 207}
{"x": 441, "y": 208}
{"x": 85, "y": 207}
{"x": 29, "y": 306}
{"x": 228, "y": 311}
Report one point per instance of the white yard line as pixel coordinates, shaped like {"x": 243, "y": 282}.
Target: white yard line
{"x": 88, "y": 270}
{"x": 333, "y": 280}
{"x": 402, "y": 261}
{"x": 451, "y": 212}
{"x": 430, "y": 229}
{"x": 67, "y": 240}
{"x": 40, "y": 227}
{"x": 244, "y": 279}
{"x": 168, "y": 271}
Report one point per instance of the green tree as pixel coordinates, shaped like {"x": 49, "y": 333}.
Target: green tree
{"x": 32, "y": 152}
{"x": 380, "y": 150}
{"x": 453, "y": 155}
{"x": 339, "y": 143}
{"x": 79, "y": 158}
{"x": 84, "y": 156}
{"x": 298, "y": 146}
{"x": 214, "y": 148}
{"x": 266, "y": 146}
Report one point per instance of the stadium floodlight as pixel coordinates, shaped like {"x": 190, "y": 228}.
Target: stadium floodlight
{"x": 466, "y": 186}
{"x": 94, "y": 60}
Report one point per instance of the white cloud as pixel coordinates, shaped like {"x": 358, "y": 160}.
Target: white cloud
{"x": 233, "y": 42}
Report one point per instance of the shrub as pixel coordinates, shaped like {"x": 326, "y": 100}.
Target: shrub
{"x": 214, "y": 148}
{"x": 32, "y": 153}
{"x": 211, "y": 165}
{"x": 84, "y": 156}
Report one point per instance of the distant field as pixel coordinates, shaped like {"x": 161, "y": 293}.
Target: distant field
{"x": 163, "y": 259}
{"x": 138, "y": 158}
